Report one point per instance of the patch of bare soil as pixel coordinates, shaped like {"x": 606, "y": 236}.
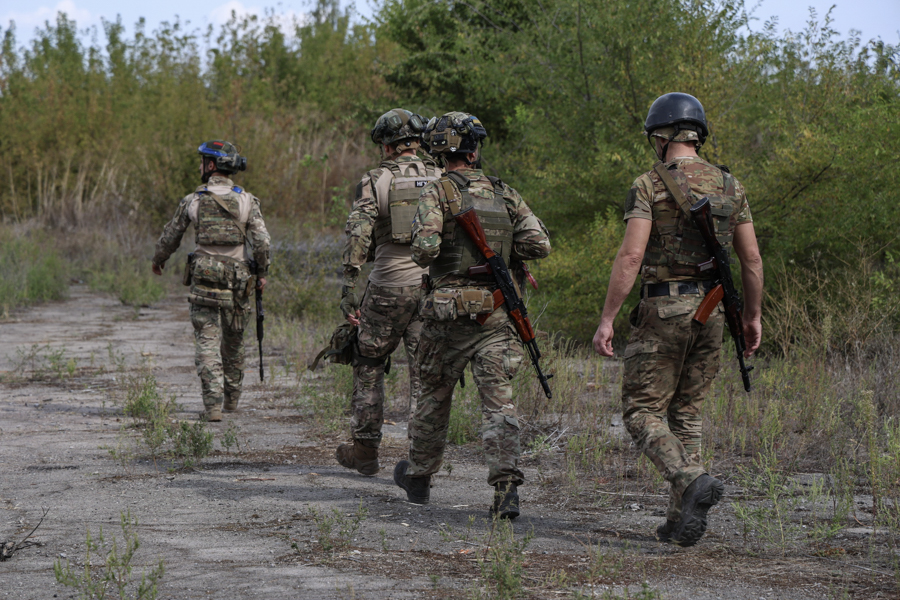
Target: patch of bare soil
{"x": 281, "y": 519}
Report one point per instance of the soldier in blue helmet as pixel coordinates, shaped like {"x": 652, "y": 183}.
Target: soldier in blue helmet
{"x": 229, "y": 234}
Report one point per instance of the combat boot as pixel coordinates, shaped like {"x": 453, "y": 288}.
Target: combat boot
{"x": 231, "y": 401}
{"x": 359, "y": 457}
{"x": 664, "y": 532}
{"x": 703, "y": 493}
{"x": 418, "y": 489}
{"x": 212, "y": 414}
{"x": 506, "y": 500}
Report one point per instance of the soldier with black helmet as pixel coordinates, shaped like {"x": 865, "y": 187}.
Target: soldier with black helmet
{"x": 670, "y": 359}
{"x": 230, "y": 231}
{"x": 379, "y": 229}
{"x": 464, "y": 321}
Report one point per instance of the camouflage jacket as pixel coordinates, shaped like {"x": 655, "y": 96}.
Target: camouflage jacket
{"x": 257, "y": 235}
{"x": 359, "y": 247}
{"x": 530, "y": 238}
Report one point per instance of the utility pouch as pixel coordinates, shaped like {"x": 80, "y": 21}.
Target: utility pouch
{"x": 186, "y": 276}
{"x": 203, "y": 295}
{"x": 209, "y": 270}
{"x": 447, "y": 305}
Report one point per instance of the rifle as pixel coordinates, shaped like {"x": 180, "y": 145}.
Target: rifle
{"x": 724, "y": 286}
{"x": 515, "y": 306}
{"x": 260, "y": 317}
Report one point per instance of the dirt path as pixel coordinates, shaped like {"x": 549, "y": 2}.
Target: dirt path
{"x": 250, "y": 525}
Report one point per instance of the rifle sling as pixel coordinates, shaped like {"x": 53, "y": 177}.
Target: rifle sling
{"x": 680, "y": 194}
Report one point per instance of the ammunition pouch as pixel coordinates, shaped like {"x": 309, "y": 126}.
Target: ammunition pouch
{"x": 209, "y": 270}
{"x": 186, "y": 276}
{"x": 449, "y": 303}
{"x": 203, "y": 295}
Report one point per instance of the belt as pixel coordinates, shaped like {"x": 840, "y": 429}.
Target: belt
{"x": 675, "y": 288}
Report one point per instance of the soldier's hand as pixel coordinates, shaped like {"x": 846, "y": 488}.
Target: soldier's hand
{"x": 354, "y": 320}
{"x": 261, "y": 283}
{"x": 349, "y": 303}
{"x": 157, "y": 269}
{"x": 603, "y": 339}
{"x": 752, "y": 336}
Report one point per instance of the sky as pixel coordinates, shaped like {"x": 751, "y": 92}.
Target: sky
{"x": 874, "y": 18}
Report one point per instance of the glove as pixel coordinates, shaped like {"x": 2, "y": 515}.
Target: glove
{"x": 349, "y": 301}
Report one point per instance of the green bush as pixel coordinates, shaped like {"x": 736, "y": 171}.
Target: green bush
{"x": 31, "y": 271}
{"x": 131, "y": 281}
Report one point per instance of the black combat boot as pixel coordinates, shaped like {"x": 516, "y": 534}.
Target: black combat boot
{"x": 356, "y": 456}
{"x": 418, "y": 489}
{"x": 664, "y": 532}
{"x": 703, "y": 493}
{"x": 506, "y": 500}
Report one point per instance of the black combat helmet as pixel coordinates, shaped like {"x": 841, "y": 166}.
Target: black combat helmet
{"x": 225, "y": 154}
{"x": 681, "y": 111}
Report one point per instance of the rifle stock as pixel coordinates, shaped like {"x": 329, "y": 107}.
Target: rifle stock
{"x": 701, "y": 214}
{"x": 515, "y": 307}
{"x": 260, "y": 317}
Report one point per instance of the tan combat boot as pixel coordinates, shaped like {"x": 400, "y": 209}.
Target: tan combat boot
{"x": 231, "y": 401}
{"x": 356, "y": 456}
{"x": 212, "y": 414}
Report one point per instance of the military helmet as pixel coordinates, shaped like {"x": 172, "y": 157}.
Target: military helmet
{"x": 454, "y": 132}
{"x": 397, "y": 125}
{"x": 225, "y": 154}
{"x": 677, "y": 117}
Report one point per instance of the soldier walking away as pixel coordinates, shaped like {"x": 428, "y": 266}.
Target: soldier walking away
{"x": 381, "y": 219}
{"x": 463, "y": 323}
{"x": 226, "y": 221}
{"x": 670, "y": 359}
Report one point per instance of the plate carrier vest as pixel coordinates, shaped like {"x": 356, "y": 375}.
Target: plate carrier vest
{"x": 458, "y": 252}
{"x": 676, "y": 248}
{"x": 215, "y": 226}
{"x": 403, "y": 200}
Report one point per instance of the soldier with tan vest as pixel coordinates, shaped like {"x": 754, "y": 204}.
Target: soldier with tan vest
{"x": 230, "y": 231}
{"x": 671, "y": 359}
{"x": 379, "y": 229}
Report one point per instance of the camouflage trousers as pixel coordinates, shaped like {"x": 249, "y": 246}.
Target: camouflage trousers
{"x": 219, "y": 349}
{"x": 496, "y": 355}
{"x": 387, "y": 316}
{"x": 670, "y": 363}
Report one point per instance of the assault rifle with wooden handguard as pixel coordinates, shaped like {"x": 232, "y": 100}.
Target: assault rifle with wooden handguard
{"x": 515, "y": 306}
{"x": 723, "y": 289}
{"x": 260, "y": 317}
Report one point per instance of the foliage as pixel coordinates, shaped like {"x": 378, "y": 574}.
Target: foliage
{"x": 130, "y": 280}
{"x": 112, "y": 577}
{"x": 335, "y": 531}
{"x": 31, "y": 270}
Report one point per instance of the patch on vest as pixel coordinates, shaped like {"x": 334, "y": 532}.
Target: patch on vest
{"x": 631, "y": 200}
{"x": 421, "y": 183}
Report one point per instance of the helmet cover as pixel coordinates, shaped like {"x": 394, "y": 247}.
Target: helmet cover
{"x": 398, "y": 125}
{"x": 454, "y": 132}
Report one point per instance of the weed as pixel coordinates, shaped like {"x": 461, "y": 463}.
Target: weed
{"x": 112, "y": 578}
{"x": 129, "y": 280}
{"x": 501, "y": 565}
{"x": 192, "y": 443}
{"x": 335, "y": 531}
{"x": 230, "y": 438}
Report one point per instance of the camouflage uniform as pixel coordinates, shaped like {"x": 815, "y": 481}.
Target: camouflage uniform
{"x": 494, "y": 348}
{"x": 389, "y": 310}
{"x": 670, "y": 361}
{"x": 219, "y": 270}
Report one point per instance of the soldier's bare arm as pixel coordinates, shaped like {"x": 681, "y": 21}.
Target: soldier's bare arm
{"x": 427, "y": 227}
{"x": 171, "y": 236}
{"x": 625, "y": 269}
{"x": 359, "y": 230}
{"x": 530, "y": 238}
{"x": 747, "y": 251}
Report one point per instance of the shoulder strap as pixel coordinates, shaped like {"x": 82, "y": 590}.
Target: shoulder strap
{"x": 224, "y": 207}
{"x": 392, "y": 166}
{"x": 679, "y": 193}
{"x": 451, "y": 193}
{"x": 498, "y": 186}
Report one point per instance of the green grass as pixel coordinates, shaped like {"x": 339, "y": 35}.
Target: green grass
{"x": 31, "y": 270}
{"x": 130, "y": 280}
